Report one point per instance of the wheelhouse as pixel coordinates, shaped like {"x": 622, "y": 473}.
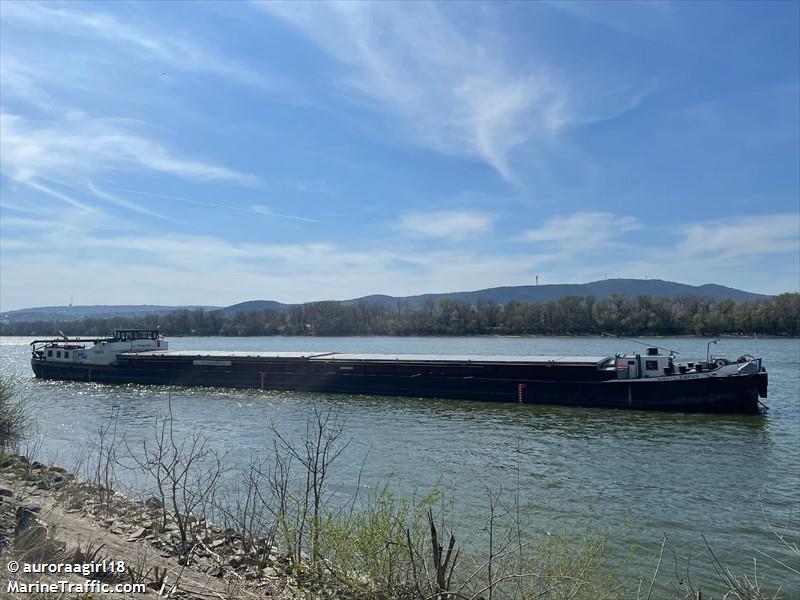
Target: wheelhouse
{"x": 124, "y": 335}
{"x": 98, "y": 350}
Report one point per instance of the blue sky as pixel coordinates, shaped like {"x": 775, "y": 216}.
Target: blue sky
{"x": 210, "y": 153}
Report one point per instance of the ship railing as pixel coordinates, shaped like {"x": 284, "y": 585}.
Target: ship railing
{"x": 38, "y": 345}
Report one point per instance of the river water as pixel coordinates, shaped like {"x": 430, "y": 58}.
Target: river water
{"x": 635, "y": 476}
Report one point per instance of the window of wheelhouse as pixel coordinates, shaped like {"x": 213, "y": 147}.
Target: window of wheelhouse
{"x": 50, "y": 353}
{"x": 58, "y": 354}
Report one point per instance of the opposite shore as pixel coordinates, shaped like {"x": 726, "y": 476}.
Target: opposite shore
{"x": 621, "y": 316}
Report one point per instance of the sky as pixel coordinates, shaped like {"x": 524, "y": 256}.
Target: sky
{"x": 211, "y": 153}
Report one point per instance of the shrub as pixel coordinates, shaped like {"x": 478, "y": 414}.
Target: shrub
{"x": 15, "y": 420}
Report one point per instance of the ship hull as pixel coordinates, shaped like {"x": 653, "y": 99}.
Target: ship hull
{"x": 468, "y": 381}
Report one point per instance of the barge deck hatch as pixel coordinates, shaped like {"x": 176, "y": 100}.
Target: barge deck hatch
{"x": 566, "y": 361}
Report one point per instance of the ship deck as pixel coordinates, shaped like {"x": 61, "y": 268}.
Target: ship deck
{"x": 571, "y": 361}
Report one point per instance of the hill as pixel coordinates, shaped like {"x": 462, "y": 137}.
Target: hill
{"x": 533, "y": 294}
{"x": 253, "y": 305}
{"x": 101, "y": 311}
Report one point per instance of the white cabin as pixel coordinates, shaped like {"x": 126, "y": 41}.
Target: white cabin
{"x": 653, "y": 364}
{"x": 99, "y": 351}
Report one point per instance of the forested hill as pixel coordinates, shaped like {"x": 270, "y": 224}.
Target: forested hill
{"x": 532, "y": 294}
{"x": 599, "y": 290}
{"x": 572, "y": 315}
{"x": 101, "y": 311}
{"x": 537, "y": 293}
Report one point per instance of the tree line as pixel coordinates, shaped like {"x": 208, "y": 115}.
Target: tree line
{"x": 573, "y": 315}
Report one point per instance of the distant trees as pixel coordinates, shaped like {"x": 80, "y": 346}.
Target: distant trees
{"x": 573, "y": 315}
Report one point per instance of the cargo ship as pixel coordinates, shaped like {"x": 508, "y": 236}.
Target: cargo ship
{"x": 650, "y": 381}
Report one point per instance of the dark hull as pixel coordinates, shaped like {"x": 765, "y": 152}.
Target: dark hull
{"x": 499, "y": 383}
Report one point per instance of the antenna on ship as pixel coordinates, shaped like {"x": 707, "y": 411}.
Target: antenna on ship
{"x": 621, "y": 337}
{"x": 708, "y": 349}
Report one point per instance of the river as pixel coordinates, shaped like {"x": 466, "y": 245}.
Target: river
{"x": 635, "y": 476}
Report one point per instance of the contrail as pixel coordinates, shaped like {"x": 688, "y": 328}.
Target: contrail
{"x": 215, "y": 204}
{"x": 126, "y": 204}
{"x": 51, "y": 192}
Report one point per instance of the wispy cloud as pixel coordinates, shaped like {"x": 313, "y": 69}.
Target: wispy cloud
{"x": 750, "y": 236}
{"x": 755, "y": 252}
{"x": 258, "y": 209}
{"x": 169, "y": 48}
{"x": 452, "y": 224}
{"x": 451, "y": 92}
{"x": 582, "y": 231}
{"x": 83, "y": 146}
{"x": 177, "y": 267}
{"x": 651, "y": 19}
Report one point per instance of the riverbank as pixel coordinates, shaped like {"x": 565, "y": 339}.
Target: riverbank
{"x": 49, "y": 516}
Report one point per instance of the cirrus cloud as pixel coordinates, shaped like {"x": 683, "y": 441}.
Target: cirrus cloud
{"x": 81, "y": 146}
{"x": 449, "y": 224}
{"x": 446, "y": 89}
{"x": 582, "y": 231}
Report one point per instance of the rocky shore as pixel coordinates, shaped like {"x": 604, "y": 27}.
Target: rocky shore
{"x": 48, "y": 515}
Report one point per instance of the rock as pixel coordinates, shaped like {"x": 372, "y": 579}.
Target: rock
{"x": 38, "y": 466}
{"x": 217, "y": 543}
{"x": 217, "y": 572}
{"x": 269, "y": 572}
{"x": 35, "y": 536}
{"x": 26, "y": 516}
{"x": 6, "y": 492}
{"x": 42, "y": 484}
{"x": 55, "y": 469}
{"x": 152, "y": 502}
{"x": 138, "y": 534}
{"x": 235, "y": 561}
